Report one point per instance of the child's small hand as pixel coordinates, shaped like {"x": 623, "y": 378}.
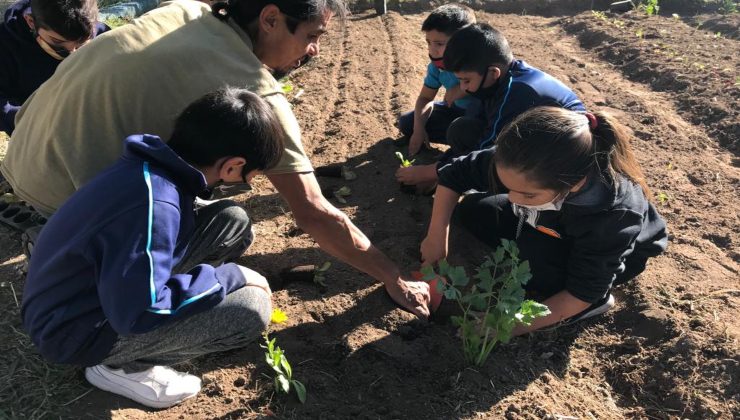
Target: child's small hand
{"x": 253, "y": 278}
{"x": 417, "y": 140}
{"x": 433, "y": 249}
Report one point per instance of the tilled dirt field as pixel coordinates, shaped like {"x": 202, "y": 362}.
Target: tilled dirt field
{"x": 668, "y": 350}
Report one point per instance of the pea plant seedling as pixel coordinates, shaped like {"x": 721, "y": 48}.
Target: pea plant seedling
{"x": 493, "y": 304}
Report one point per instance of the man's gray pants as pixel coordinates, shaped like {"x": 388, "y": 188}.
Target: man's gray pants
{"x": 223, "y": 232}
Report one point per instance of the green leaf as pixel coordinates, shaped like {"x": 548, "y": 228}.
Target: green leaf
{"x": 444, "y": 267}
{"x": 456, "y": 320}
{"x": 499, "y": 254}
{"x": 451, "y": 293}
{"x": 286, "y": 367}
{"x": 458, "y": 277}
{"x": 282, "y": 383}
{"x": 531, "y": 310}
{"x": 428, "y": 272}
{"x": 478, "y": 303}
{"x": 300, "y": 390}
{"x": 486, "y": 280}
{"x": 325, "y": 266}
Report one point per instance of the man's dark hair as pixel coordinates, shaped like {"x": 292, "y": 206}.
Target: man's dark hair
{"x": 245, "y": 12}
{"x": 448, "y": 19}
{"x": 73, "y": 19}
{"x": 477, "y": 47}
{"x": 229, "y": 122}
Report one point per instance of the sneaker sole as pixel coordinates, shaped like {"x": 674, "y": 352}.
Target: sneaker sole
{"x": 100, "y": 381}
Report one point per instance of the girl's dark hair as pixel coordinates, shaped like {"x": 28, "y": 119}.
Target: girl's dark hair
{"x": 73, "y": 19}
{"x": 448, "y": 19}
{"x": 557, "y": 148}
{"x": 245, "y": 12}
{"x": 229, "y": 122}
{"x": 475, "y": 48}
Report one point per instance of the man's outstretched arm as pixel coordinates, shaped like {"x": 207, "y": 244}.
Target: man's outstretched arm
{"x": 338, "y": 236}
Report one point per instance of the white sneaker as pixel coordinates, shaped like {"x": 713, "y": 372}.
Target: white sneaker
{"x": 597, "y": 308}
{"x": 156, "y": 387}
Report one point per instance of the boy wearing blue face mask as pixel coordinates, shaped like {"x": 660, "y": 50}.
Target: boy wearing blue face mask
{"x": 35, "y": 37}
{"x": 480, "y": 57}
{"x": 127, "y": 278}
{"x": 566, "y": 187}
{"x": 429, "y": 120}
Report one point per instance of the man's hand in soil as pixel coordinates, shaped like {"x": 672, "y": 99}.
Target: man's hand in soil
{"x": 418, "y": 139}
{"x": 415, "y": 175}
{"x": 411, "y": 295}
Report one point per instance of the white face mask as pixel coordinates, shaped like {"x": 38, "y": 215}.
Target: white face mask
{"x": 553, "y": 205}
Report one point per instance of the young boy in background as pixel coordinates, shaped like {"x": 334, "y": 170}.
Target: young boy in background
{"x": 127, "y": 279}
{"x": 35, "y": 37}
{"x": 480, "y": 57}
{"x": 429, "y": 119}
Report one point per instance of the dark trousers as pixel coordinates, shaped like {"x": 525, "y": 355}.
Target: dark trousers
{"x": 464, "y": 136}
{"x": 490, "y": 218}
{"x": 437, "y": 124}
{"x": 223, "y": 232}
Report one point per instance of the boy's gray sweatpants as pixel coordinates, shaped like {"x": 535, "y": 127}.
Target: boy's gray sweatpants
{"x": 223, "y": 232}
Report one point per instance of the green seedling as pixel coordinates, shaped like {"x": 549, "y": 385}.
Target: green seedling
{"x": 650, "y": 7}
{"x": 639, "y": 33}
{"x": 319, "y": 276}
{"x": 287, "y": 86}
{"x": 727, "y": 7}
{"x": 663, "y": 198}
{"x": 599, "y": 15}
{"x": 492, "y": 303}
{"x": 404, "y": 162}
{"x": 339, "y": 194}
{"x": 275, "y": 357}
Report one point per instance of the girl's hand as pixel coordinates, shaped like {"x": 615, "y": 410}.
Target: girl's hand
{"x": 433, "y": 249}
{"x": 418, "y": 139}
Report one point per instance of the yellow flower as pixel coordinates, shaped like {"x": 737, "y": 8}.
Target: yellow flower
{"x": 278, "y": 316}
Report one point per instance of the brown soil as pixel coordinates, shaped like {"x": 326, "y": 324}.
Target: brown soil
{"x": 669, "y": 349}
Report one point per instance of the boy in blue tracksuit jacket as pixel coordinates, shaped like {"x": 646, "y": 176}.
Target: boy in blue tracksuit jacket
{"x": 34, "y": 38}
{"x": 127, "y": 278}
{"x": 482, "y": 60}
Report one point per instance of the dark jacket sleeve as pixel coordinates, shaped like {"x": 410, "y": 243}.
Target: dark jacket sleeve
{"x": 137, "y": 289}
{"x": 469, "y": 172}
{"x": 600, "y": 244}
{"x": 9, "y": 105}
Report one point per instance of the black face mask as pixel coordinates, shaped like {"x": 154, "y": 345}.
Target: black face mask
{"x": 438, "y": 62}
{"x": 222, "y": 189}
{"x": 485, "y": 93}
{"x": 60, "y": 53}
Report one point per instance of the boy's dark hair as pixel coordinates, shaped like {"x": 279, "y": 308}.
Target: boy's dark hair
{"x": 245, "y": 12}
{"x": 477, "y": 47}
{"x": 73, "y": 19}
{"x": 557, "y": 148}
{"x": 225, "y": 123}
{"x": 448, "y": 19}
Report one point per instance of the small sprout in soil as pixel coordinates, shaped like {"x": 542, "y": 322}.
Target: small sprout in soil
{"x": 339, "y": 194}
{"x": 347, "y": 174}
{"x": 639, "y": 33}
{"x": 663, "y": 198}
{"x": 319, "y": 276}
{"x": 287, "y": 86}
{"x": 404, "y": 162}
{"x": 737, "y": 80}
{"x": 717, "y": 35}
{"x": 599, "y": 15}
{"x": 493, "y": 304}
{"x": 650, "y": 7}
{"x": 283, "y": 379}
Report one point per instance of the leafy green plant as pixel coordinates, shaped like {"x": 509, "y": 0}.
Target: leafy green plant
{"x": 319, "y": 276}
{"x": 493, "y": 304}
{"x": 404, "y": 162}
{"x": 276, "y": 359}
{"x": 663, "y": 198}
{"x": 650, "y": 7}
{"x": 727, "y": 7}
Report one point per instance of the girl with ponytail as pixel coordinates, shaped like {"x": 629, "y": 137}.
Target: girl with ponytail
{"x": 567, "y": 188}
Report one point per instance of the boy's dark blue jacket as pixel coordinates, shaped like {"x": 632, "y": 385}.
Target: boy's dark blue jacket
{"x": 24, "y": 66}
{"x": 521, "y": 88}
{"x": 603, "y": 225}
{"x": 102, "y": 265}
